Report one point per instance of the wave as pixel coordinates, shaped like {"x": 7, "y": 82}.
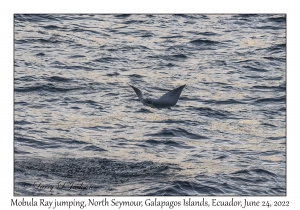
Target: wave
{"x": 137, "y": 22}
{"x": 257, "y": 171}
{"x": 169, "y": 143}
{"x": 206, "y": 111}
{"x": 93, "y": 148}
{"x": 36, "y": 17}
{"x": 186, "y": 188}
{"x": 105, "y": 60}
{"x": 265, "y": 87}
{"x": 251, "y": 68}
{"x": 282, "y": 59}
{"x": 229, "y": 101}
{"x": 207, "y": 33}
{"x": 40, "y": 54}
{"x": 204, "y": 42}
{"x": 35, "y": 143}
{"x": 276, "y": 48}
{"x": 46, "y": 88}
{"x": 268, "y": 27}
{"x": 178, "y": 132}
{"x": 52, "y": 27}
{"x": 51, "y": 40}
{"x": 122, "y": 16}
{"x": 143, "y": 110}
{"x": 281, "y": 19}
{"x": 271, "y": 100}
{"x": 58, "y": 79}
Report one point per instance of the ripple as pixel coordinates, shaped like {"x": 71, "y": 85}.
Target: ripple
{"x": 58, "y": 79}
{"x": 203, "y": 42}
{"x": 143, "y": 110}
{"x": 122, "y": 16}
{"x": 40, "y": 54}
{"x": 255, "y": 171}
{"x": 177, "y": 133}
{"x": 51, "y": 27}
{"x": 35, "y": 143}
{"x": 47, "y": 88}
{"x": 93, "y": 148}
{"x": 275, "y": 88}
{"x": 281, "y": 19}
{"x": 207, "y": 33}
{"x": 185, "y": 188}
{"x": 270, "y": 100}
{"x": 206, "y": 111}
{"x": 251, "y": 68}
{"x": 169, "y": 143}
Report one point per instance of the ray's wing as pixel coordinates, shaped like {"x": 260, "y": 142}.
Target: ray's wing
{"x": 171, "y": 97}
{"x": 138, "y": 92}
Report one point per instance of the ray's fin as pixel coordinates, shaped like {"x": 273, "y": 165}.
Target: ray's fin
{"x": 138, "y": 92}
{"x": 171, "y": 97}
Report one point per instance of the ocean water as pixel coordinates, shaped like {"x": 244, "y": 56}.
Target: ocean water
{"x": 79, "y": 128}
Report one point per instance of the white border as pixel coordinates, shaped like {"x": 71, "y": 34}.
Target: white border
{"x": 8, "y": 8}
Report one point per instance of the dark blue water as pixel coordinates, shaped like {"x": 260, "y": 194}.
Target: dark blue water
{"x": 79, "y": 123}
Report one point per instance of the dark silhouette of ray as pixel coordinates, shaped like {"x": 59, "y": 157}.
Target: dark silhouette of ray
{"x": 166, "y": 101}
